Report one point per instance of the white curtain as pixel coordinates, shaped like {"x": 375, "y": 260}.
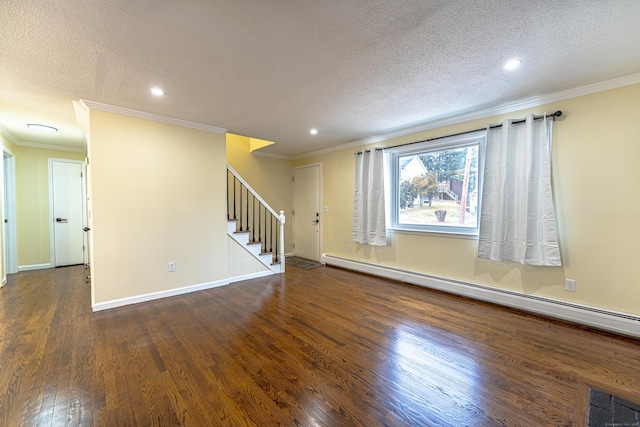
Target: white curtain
{"x": 368, "y": 208}
{"x": 518, "y": 221}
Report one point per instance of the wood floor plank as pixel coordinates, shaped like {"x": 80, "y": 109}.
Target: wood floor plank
{"x": 322, "y": 347}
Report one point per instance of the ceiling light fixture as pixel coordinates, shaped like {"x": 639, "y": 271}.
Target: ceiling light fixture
{"x": 157, "y": 91}
{"x": 512, "y": 65}
{"x": 313, "y": 131}
{"x": 42, "y": 128}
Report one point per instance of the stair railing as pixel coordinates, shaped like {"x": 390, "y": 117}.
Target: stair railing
{"x": 255, "y": 216}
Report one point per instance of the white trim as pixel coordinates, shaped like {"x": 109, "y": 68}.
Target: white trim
{"x": 393, "y": 172}
{"x": 254, "y": 192}
{"x": 34, "y": 267}
{"x": 618, "y": 322}
{"x": 487, "y": 112}
{"x": 266, "y": 259}
{"x": 320, "y": 206}
{"x": 50, "y": 146}
{"x": 251, "y": 276}
{"x": 157, "y": 295}
{"x": 9, "y": 197}
{"x": 7, "y": 134}
{"x": 150, "y": 116}
{"x": 85, "y": 221}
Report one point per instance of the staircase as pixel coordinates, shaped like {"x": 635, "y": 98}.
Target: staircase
{"x": 254, "y": 224}
{"x": 452, "y": 196}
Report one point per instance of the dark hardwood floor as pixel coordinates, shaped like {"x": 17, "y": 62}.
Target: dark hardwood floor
{"x": 324, "y": 347}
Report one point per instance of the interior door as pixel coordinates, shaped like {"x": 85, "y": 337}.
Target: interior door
{"x": 306, "y": 212}
{"x": 10, "y": 246}
{"x": 68, "y": 213}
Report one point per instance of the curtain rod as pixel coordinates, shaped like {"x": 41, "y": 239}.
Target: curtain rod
{"x": 368, "y": 151}
{"x": 552, "y": 116}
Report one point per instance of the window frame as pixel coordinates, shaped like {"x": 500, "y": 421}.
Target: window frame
{"x": 392, "y": 181}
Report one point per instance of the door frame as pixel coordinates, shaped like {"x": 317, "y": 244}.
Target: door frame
{"x": 52, "y": 241}
{"x": 320, "y": 206}
{"x": 9, "y": 204}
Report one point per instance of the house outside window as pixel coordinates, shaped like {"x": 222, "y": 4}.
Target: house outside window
{"x": 434, "y": 186}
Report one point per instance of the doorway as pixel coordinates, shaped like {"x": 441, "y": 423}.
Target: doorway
{"x": 307, "y": 220}
{"x": 68, "y": 212}
{"x": 9, "y": 212}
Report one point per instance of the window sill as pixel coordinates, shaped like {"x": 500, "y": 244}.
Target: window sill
{"x": 433, "y": 233}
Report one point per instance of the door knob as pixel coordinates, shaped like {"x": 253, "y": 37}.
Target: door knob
{"x": 63, "y": 220}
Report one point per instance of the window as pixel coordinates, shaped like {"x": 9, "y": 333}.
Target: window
{"x": 435, "y": 186}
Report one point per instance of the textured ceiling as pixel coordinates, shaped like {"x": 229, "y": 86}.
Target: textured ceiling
{"x": 273, "y": 69}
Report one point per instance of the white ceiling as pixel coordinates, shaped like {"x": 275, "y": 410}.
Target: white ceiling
{"x": 273, "y": 69}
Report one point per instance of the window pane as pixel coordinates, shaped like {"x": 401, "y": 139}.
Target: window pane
{"x": 439, "y": 188}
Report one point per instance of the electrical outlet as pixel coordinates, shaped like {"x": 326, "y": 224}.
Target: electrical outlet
{"x": 570, "y": 285}
{"x": 172, "y": 267}
{"x": 349, "y": 248}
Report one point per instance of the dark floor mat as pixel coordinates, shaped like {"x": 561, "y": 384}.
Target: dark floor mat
{"x": 305, "y": 264}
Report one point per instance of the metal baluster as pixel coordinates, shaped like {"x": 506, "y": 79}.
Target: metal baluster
{"x": 240, "y": 216}
{"x": 253, "y": 219}
{"x": 271, "y": 233}
{"x": 264, "y": 230}
{"x": 234, "y": 197}
{"x": 265, "y": 237}
{"x": 247, "y": 228}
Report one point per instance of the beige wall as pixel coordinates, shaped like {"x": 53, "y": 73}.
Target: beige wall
{"x": 32, "y": 202}
{"x": 157, "y": 195}
{"x": 595, "y": 177}
{"x": 270, "y": 177}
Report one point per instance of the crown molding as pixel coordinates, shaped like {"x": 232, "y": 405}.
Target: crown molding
{"x": 7, "y": 134}
{"x": 50, "y": 146}
{"x": 149, "y": 116}
{"x": 523, "y": 104}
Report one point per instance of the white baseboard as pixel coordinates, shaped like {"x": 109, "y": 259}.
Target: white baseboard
{"x": 34, "y": 267}
{"x": 621, "y": 323}
{"x": 251, "y": 276}
{"x": 179, "y": 291}
{"x": 157, "y": 295}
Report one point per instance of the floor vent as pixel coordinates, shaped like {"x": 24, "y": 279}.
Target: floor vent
{"x": 608, "y": 410}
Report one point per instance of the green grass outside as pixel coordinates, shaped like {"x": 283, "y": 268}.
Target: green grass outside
{"x": 426, "y": 215}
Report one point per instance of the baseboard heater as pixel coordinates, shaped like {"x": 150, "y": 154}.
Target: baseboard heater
{"x": 621, "y": 323}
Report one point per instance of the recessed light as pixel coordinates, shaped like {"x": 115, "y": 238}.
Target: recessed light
{"x": 313, "y": 131}
{"x": 512, "y": 65}
{"x": 42, "y": 128}
{"x": 157, "y": 91}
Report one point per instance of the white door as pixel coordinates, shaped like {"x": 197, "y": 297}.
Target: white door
{"x": 10, "y": 245}
{"x": 68, "y": 212}
{"x": 306, "y": 212}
